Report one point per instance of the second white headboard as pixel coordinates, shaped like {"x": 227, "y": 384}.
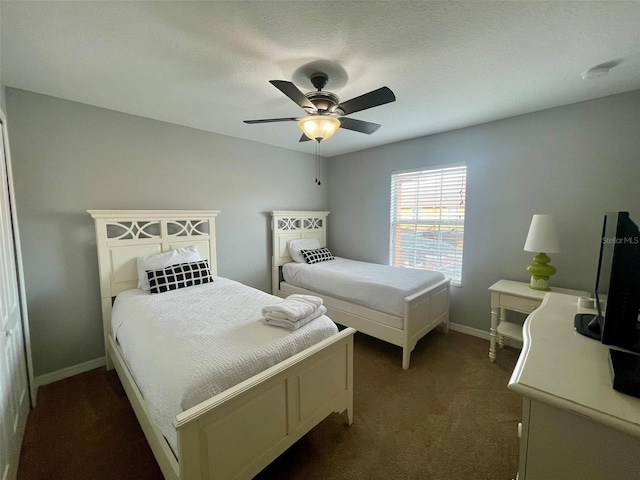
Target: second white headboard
{"x": 289, "y": 225}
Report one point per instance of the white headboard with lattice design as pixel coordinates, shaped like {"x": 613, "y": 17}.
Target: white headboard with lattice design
{"x": 289, "y": 225}
{"x": 124, "y": 235}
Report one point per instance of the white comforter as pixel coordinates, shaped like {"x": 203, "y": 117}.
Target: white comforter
{"x": 187, "y": 345}
{"x": 379, "y": 287}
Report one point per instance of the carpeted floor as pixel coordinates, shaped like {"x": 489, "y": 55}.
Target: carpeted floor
{"x": 449, "y": 417}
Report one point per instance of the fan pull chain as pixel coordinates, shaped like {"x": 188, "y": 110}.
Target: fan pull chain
{"x": 317, "y": 145}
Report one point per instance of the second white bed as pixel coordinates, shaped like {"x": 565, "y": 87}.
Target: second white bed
{"x": 379, "y": 287}
{"x": 416, "y": 309}
{"x": 187, "y": 345}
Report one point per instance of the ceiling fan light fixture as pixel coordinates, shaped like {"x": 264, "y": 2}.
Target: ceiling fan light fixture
{"x": 319, "y": 127}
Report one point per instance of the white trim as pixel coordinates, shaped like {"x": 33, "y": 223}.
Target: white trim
{"x": 26, "y": 332}
{"x": 152, "y": 214}
{"x": 475, "y": 332}
{"x": 67, "y": 372}
{"x": 101, "y": 362}
{"x": 430, "y": 167}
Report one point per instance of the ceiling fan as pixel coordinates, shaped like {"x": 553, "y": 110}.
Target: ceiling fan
{"x": 325, "y": 113}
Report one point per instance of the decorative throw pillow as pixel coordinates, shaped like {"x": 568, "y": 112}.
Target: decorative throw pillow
{"x": 178, "y": 276}
{"x": 318, "y": 255}
{"x": 162, "y": 260}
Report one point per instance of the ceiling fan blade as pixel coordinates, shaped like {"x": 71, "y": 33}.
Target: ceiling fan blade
{"x": 359, "y": 125}
{"x": 291, "y": 91}
{"x": 304, "y": 138}
{"x": 271, "y": 120}
{"x": 368, "y": 100}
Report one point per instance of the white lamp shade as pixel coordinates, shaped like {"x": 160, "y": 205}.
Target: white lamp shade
{"x": 543, "y": 235}
{"x": 319, "y": 127}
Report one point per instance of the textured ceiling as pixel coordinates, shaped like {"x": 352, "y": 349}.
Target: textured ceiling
{"x": 207, "y": 64}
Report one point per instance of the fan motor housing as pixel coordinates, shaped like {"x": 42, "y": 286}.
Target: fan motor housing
{"x": 325, "y": 102}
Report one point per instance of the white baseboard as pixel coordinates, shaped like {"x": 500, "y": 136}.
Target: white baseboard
{"x": 474, "y": 332}
{"x": 101, "y": 362}
{"x": 456, "y": 327}
{"x": 69, "y": 371}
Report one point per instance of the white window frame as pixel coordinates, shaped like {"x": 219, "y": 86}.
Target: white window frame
{"x": 427, "y": 220}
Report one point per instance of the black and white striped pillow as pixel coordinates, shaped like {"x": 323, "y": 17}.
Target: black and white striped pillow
{"x": 177, "y": 276}
{"x": 318, "y": 255}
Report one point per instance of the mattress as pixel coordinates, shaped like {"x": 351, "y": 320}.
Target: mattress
{"x": 185, "y": 346}
{"x": 379, "y": 287}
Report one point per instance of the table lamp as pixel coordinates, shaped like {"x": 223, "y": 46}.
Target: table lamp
{"x": 542, "y": 238}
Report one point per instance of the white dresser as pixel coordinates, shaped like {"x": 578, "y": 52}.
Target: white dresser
{"x": 574, "y": 425}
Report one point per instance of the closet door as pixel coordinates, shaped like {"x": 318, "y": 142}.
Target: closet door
{"x": 14, "y": 397}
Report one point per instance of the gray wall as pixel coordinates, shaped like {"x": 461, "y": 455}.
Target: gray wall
{"x": 69, "y": 157}
{"x": 575, "y": 162}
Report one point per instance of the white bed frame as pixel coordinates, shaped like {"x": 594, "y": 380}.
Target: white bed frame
{"x": 237, "y": 433}
{"x": 423, "y": 311}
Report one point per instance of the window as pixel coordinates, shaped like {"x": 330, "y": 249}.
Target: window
{"x": 427, "y": 219}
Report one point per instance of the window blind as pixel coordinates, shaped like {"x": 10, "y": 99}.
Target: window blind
{"x": 427, "y": 219}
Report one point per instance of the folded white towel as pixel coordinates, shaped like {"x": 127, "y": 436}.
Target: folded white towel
{"x": 312, "y": 299}
{"x": 278, "y": 322}
{"x": 294, "y": 307}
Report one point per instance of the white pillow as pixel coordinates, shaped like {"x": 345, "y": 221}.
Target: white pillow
{"x": 161, "y": 260}
{"x": 295, "y": 246}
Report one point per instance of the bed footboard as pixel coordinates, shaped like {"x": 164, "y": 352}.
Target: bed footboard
{"x": 424, "y": 311}
{"x": 239, "y": 432}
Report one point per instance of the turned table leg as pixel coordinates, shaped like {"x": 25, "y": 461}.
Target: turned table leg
{"x": 493, "y": 333}
{"x": 503, "y": 318}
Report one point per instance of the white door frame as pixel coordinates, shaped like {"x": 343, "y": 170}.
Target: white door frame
{"x": 19, "y": 265}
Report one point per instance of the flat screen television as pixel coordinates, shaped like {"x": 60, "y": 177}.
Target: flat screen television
{"x": 617, "y": 289}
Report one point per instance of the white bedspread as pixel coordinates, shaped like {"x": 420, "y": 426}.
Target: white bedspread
{"x": 187, "y": 345}
{"x": 379, "y": 287}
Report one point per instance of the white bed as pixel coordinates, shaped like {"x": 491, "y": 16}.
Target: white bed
{"x": 402, "y": 321}
{"x": 229, "y": 428}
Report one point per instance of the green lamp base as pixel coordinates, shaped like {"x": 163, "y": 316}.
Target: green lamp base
{"x": 540, "y": 271}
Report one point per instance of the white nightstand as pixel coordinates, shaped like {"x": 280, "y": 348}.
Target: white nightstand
{"x": 518, "y": 297}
